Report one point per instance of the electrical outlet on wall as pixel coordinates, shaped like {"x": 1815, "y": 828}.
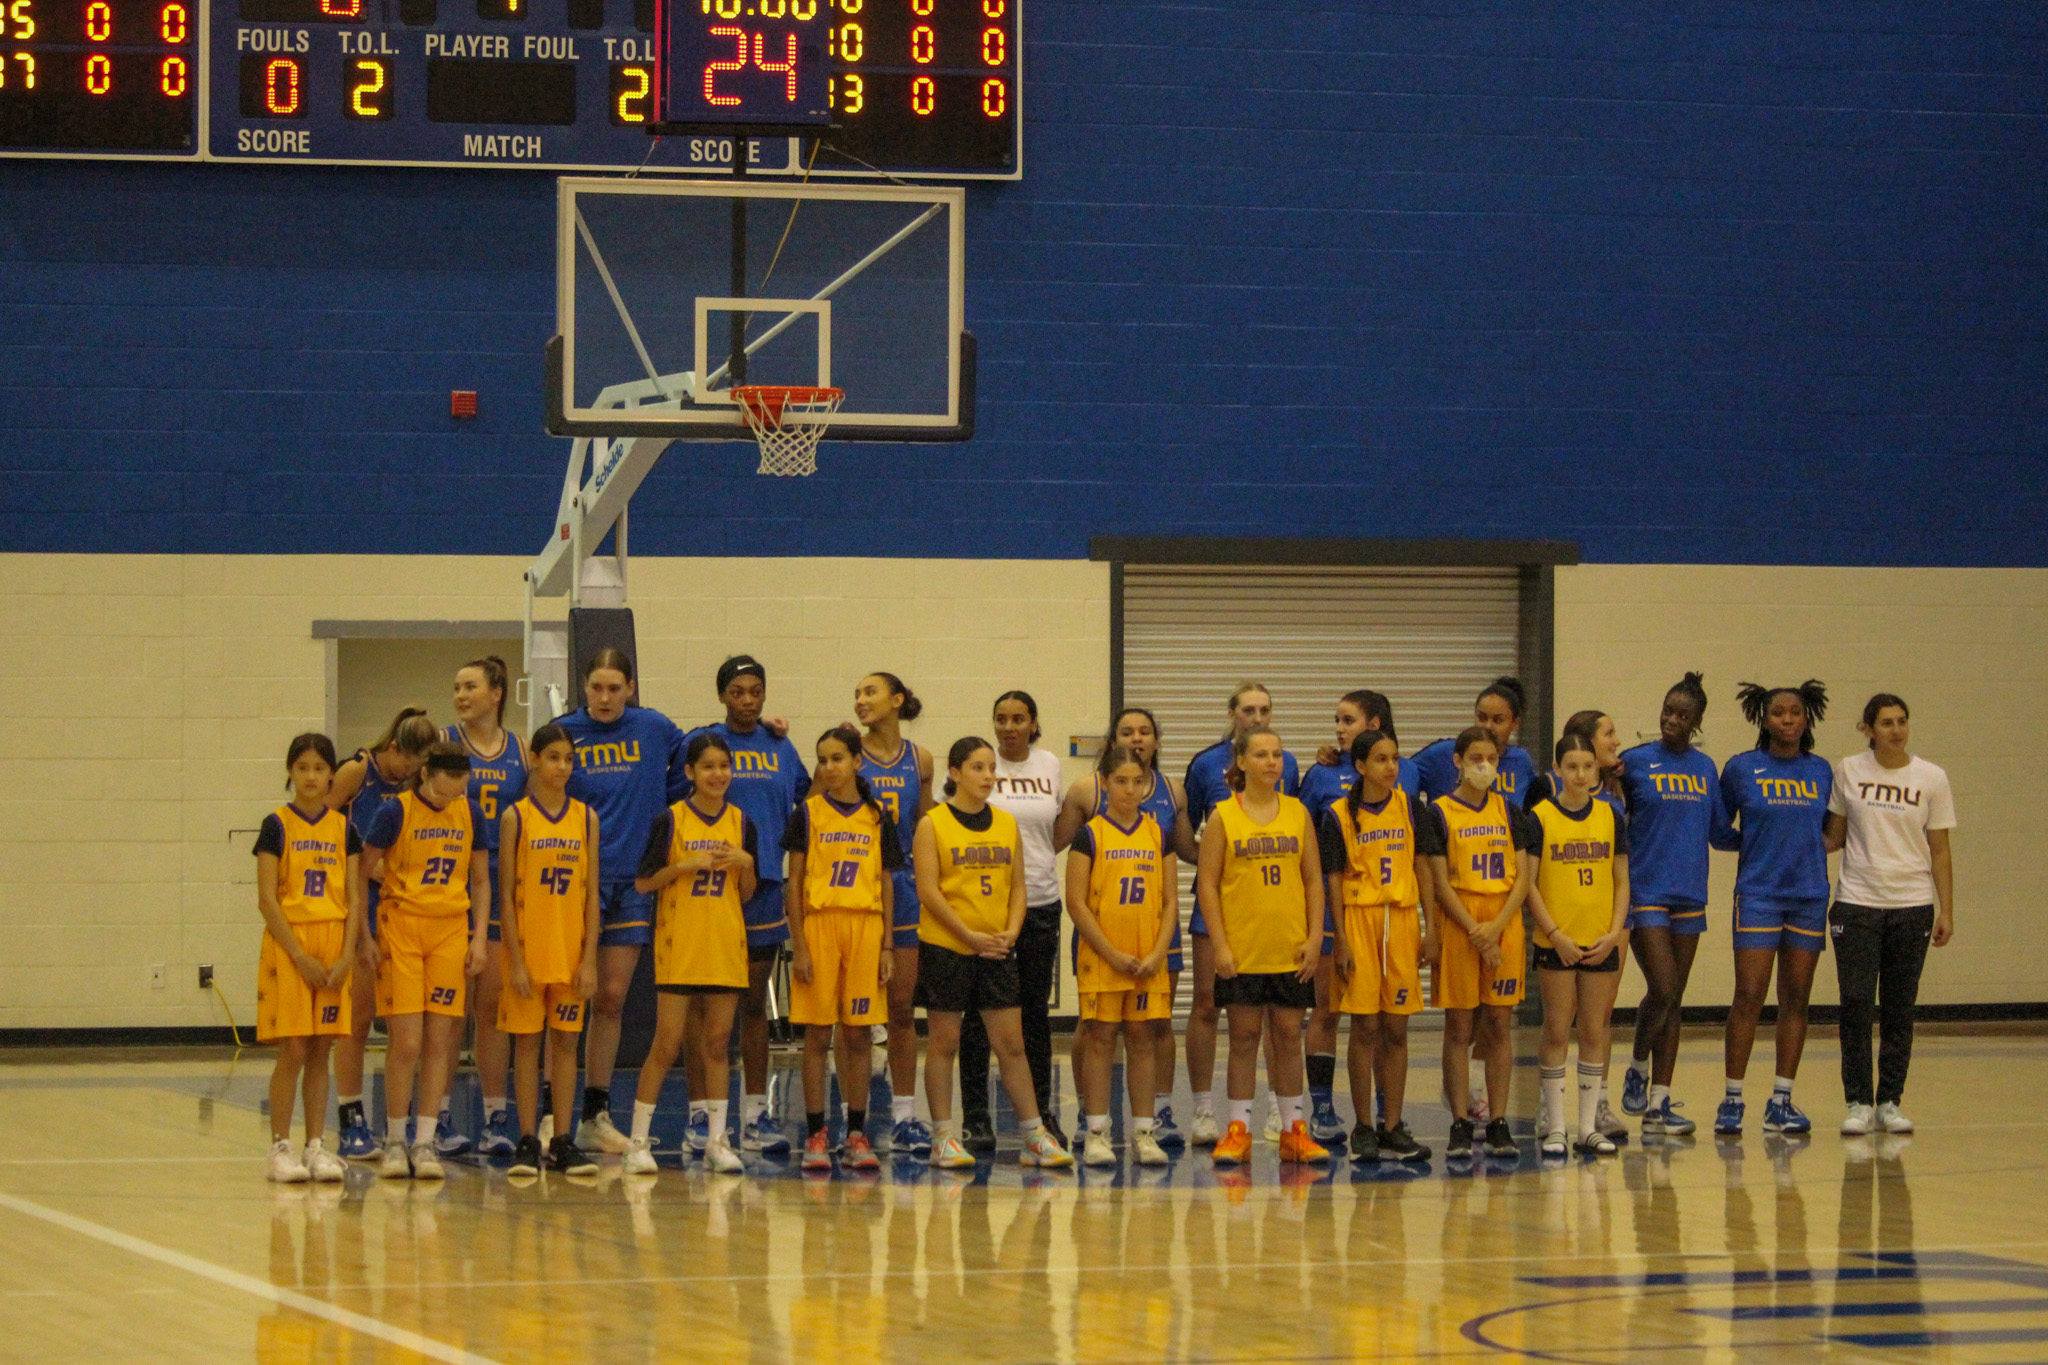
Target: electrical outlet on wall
{"x": 206, "y": 976}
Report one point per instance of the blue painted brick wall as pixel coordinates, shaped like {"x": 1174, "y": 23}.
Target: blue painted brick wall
{"x": 1693, "y": 280}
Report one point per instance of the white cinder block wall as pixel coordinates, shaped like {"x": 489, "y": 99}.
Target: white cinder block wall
{"x": 145, "y": 702}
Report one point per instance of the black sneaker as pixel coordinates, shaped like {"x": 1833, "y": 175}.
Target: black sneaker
{"x": 1460, "y": 1144}
{"x": 1365, "y": 1145}
{"x": 565, "y": 1156}
{"x": 978, "y": 1134}
{"x": 1397, "y": 1142}
{"x": 1500, "y": 1141}
{"x": 525, "y": 1157}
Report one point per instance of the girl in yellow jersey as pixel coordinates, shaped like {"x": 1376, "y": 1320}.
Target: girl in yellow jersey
{"x": 843, "y": 855}
{"x": 1259, "y": 886}
{"x": 309, "y": 891}
{"x": 431, "y": 920}
{"x": 970, "y": 883}
{"x": 1479, "y": 849}
{"x": 548, "y": 914}
{"x": 1123, "y": 889}
{"x": 1580, "y": 905}
{"x": 700, "y": 859}
{"x": 1368, "y": 846}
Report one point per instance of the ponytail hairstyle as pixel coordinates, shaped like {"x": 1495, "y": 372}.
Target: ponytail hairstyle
{"x": 703, "y": 741}
{"x": 551, "y": 733}
{"x": 496, "y": 676}
{"x": 963, "y": 749}
{"x": 443, "y": 756}
{"x": 1756, "y": 709}
{"x": 320, "y": 744}
{"x": 1584, "y": 725}
{"x": 911, "y": 707}
{"x": 410, "y": 732}
{"x": 1870, "y": 711}
{"x": 1690, "y": 687}
{"x": 1018, "y": 694}
{"x": 1374, "y": 706}
{"x": 1361, "y": 749}
{"x": 616, "y": 659}
{"x": 1508, "y": 690}
{"x": 848, "y": 738}
{"x": 1109, "y": 739}
{"x": 1237, "y": 695}
{"x": 1241, "y": 744}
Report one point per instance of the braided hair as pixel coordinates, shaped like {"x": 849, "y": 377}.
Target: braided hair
{"x": 1756, "y": 708}
{"x": 1691, "y": 689}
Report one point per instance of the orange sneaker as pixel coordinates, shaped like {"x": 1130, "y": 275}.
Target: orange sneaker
{"x": 1297, "y": 1145}
{"x": 1234, "y": 1147}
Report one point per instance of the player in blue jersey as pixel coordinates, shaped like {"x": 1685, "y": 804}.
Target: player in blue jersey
{"x": 629, "y": 769}
{"x": 1324, "y": 783}
{"x": 1498, "y": 710}
{"x": 1206, "y": 784}
{"x": 497, "y": 780}
{"x": 1673, "y": 793}
{"x": 899, "y": 773}
{"x": 361, "y": 787}
{"x": 768, "y": 780}
{"x": 1777, "y": 798}
{"x": 1137, "y": 730}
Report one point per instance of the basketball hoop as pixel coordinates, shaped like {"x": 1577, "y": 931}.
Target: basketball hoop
{"x": 788, "y": 421}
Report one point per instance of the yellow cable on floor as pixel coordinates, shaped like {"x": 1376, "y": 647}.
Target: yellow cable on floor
{"x": 233, "y": 1032}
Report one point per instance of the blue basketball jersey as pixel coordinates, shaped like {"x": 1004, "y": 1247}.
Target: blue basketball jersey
{"x": 496, "y": 783}
{"x": 1323, "y": 785}
{"x": 1675, "y": 812}
{"x": 371, "y": 796}
{"x": 895, "y": 785}
{"x": 1437, "y": 764}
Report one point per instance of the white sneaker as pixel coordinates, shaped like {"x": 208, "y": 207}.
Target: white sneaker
{"x": 1095, "y": 1149}
{"x": 1272, "y": 1129}
{"x": 394, "y": 1165}
{"x": 720, "y": 1157}
{"x": 284, "y": 1167}
{"x": 1891, "y": 1120}
{"x": 602, "y": 1135}
{"x": 426, "y": 1162}
{"x": 1860, "y": 1120}
{"x": 1203, "y": 1132}
{"x": 322, "y": 1164}
{"x": 1043, "y": 1149}
{"x": 639, "y": 1156}
{"x": 1146, "y": 1151}
{"x": 544, "y": 1131}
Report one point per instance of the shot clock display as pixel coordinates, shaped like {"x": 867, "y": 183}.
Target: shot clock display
{"x": 745, "y": 61}
{"x": 99, "y": 74}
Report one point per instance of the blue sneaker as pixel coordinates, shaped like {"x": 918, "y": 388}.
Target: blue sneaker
{"x": 1635, "y": 1092}
{"x": 1666, "y": 1121}
{"x": 700, "y": 1130}
{"x": 1728, "y": 1118}
{"x": 1782, "y": 1116}
{"x": 764, "y": 1137}
{"x": 447, "y": 1141}
{"x": 501, "y": 1134}
{"x": 911, "y": 1137}
{"x": 1166, "y": 1133}
{"x": 357, "y": 1144}
{"x": 1323, "y": 1124}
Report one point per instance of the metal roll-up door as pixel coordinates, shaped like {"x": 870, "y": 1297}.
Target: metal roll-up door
{"x": 1428, "y": 638}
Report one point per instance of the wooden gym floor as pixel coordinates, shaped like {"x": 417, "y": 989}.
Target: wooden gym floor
{"x": 138, "y": 1226}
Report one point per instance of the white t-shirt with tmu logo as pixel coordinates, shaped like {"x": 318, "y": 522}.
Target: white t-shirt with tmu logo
{"x": 1887, "y": 864}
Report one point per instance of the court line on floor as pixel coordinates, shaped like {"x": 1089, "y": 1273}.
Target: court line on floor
{"x": 128, "y": 1160}
{"x": 249, "y": 1284}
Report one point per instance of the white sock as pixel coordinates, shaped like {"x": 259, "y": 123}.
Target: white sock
{"x": 903, "y": 1108}
{"x": 1032, "y": 1129}
{"x": 1290, "y": 1112}
{"x": 394, "y": 1130}
{"x": 719, "y": 1109}
{"x": 1553, "y": 1099}
{"x": 1603, "y": 1085}
{"x": 493, "y": 1108}
{"x": 1144, "y": 1125}
{"x": 1733, "y": 1090}
{"x": 1639, "y": 1066}
{"x": 1098, "y": 1123}
{"x": 1782, "y": 1085}
{"x": 1589, "y": 1097}
{"x": 1658, "y": 1095}
{"x": 944, "y": 1128}
{"x": 643, "y": 1121}
{"x": 1205, "y": 1102}
{"x": 441, "y": 1115}
{"x": 348, "y": 1099}
{"x": 751, "y": 1108}
{"x": 1241, "y": 1112}
{"x": 426, "y": 1130}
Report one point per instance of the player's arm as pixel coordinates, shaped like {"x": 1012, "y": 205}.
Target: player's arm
{"x": 277, "y": 926}
{"x": 593, "y": 914}
{"x": 1080, "y": 868}
{"x": 510, "y": 856}
{"x": 1015, "y": 925}
{"x": 656, "y": 871}
{"x": 479, "y": 904}
{"x": 794, "y": 907}
{"x": 1183, "y": 828}
{"x": 1311, "y": 953}
{"x": 348, "y": 781}
{"x": 352, "y": 927}
{"x": 1725, "y": 831}
{"x": 1834, "y": 833}
{"x": 1944, "y": 887}
{"x": 746, "y": 861}
{"x": 1616, "y": 937}
{"x": 1169, "y": 917}
{"x": 1334, "y": 863}
{"x": 1075, "y": 809}
{"x": 925, "y": 800}
{"x": 1209, "y": 896}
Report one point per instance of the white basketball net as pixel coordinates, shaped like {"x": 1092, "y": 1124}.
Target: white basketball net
{"x": 787, "y": 422}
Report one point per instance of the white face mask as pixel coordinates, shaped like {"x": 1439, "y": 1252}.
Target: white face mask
{"x": 1478, "y": 774}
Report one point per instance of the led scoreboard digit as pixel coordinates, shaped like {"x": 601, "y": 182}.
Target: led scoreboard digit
{"x": 896, "y": 87}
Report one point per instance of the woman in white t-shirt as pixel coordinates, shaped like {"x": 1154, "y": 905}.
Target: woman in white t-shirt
{"x": 1892, "y": 813}
{"x": 1028, "y": 784}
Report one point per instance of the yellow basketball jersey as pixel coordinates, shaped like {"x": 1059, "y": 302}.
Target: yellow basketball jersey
{"x": 1265, "y": 906}
{"x": 842, "y": 856}
{"x": 1480, "y": 845}
{"x": 1127, "y": 894}
{"x": 426, "y": 871}
{"x": 1380, "y": 847}
{"x": 549, "y": 868}
{"x": 1575, "y": 869}
{"x": 700, "y": 932}
{"x": 312, "y": 868}
{"x": 975, "y": 869}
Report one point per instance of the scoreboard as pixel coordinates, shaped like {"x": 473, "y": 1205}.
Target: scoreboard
{"x": 891, "y": 87}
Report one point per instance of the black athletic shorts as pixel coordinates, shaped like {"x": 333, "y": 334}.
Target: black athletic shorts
{"x": 1548, "y": 960}
{"x": 1266, "y": 988}
{"x": 954, "y": 983}
{"x": 763, "y": 952}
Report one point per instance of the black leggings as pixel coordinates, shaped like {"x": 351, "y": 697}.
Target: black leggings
{"x": 1038, "y": 955}
{"x": 1878, "y": 957}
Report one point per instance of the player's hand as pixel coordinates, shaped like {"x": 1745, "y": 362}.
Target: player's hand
{"x": 1327, "y": 755}
{"x": 1307, "y": 958}
{"x": 1149, "y": 965}
{"x": 311, "y": 969}
{"x": 1129, "y": 964}
{"x": 777, "y": 726}
{"x": 726, "y": 856}
{"x": 990, "y": 945}
{"x": 479, "y": 956}
{"x": 1341, "y": 959}
{"x": 586, "y": 980}
{"x": 521, "y": 980}
{"x": 1432, "y": 948}
{"x": 1489, "y": 955}
{"x": 800, "y": 965}
{"x": 1226, "y": 961}
{"x": 1488, "y": 934}
{"x": 337, "y": 975}
{"x": 696, "y": 860}
{"x": 887, "y": 970}
{"x": 1944, "y": 929}
{"x": 1569, "y": 953}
